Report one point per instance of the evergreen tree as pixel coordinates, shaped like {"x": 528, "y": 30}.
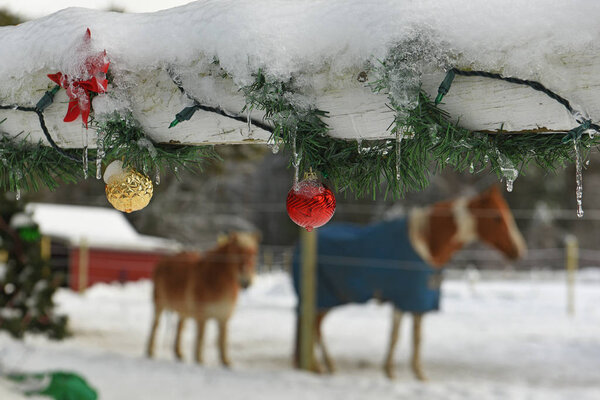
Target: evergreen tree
{"x": 27, "y": 283}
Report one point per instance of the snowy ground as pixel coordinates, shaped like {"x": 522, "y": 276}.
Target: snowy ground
{"x": 501, "y": 339}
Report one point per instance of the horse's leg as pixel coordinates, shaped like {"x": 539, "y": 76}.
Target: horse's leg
{"x": 223, "y": 342}
{"x": 297, "y": 341}
{"x": 180, "y": 321}
{"x": 199, "y": 339}
{"x": 150, "y": 348}
{"x": 416, "y": 355}
{"x": 319, "y": 339}
{"x": 389, "y": 361}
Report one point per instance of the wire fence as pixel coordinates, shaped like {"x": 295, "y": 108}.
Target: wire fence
{"x": 279, "y": 258}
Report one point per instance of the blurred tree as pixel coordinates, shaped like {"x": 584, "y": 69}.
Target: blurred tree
{"x": 8, "y": 18}
{"x": 26, "y": 282}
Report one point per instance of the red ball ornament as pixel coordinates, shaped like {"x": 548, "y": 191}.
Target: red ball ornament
{"x": 310, "y": 203}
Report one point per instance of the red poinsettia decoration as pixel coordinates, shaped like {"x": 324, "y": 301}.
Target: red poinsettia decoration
{"x": 80, "y": 88}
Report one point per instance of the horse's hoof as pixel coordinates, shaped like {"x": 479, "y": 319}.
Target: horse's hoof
{"x": 421, "y": 377}
{"x": 317, "y": 368}
{"x": 390, "y": 373}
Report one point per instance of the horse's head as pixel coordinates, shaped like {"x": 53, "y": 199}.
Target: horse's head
{"x": 495, "y": 223}
{"x": 243, "y": 246}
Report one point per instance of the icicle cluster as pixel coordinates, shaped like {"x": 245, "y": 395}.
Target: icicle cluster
{"x": 578, "y": 179}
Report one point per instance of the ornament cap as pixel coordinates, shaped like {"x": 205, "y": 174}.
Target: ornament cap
{"x": 310, "y": 175}
{"x": 113, "y": 169}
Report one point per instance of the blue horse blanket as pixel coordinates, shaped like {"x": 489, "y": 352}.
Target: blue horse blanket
{"x": 358, "y": 263}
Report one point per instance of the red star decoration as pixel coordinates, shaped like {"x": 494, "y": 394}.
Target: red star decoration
{"x": 79, "y": 89}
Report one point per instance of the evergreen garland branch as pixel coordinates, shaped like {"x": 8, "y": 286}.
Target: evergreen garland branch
{"x": 123, "y": 138}
{"x": 338, "y": 160}
{"x": 460, "y": 148}
{"x": 25, "y": 165}
{"x": 431, "y": 143}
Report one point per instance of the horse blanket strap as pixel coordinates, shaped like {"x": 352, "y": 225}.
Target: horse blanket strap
{"x": 356, "y": 263}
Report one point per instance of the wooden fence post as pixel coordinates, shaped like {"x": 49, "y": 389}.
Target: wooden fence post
{"x": 572, "y": 264}
{"x": 308, "y": 259}
{"x": 268, "y": 260}
{"x": 286, "y": 261}
{"x": 46, "y": 248}
{"x": 84, "y": 264}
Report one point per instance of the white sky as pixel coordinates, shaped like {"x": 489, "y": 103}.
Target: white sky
{"x": 38, "y": 8}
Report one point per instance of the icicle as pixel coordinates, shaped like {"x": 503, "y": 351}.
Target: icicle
{"x": 296, "y": 158}
{"x": 273, "y": 143}
{"x": 249, "y": 120}
{"x": 85, "y": 152}
{"x": 363, "y": 147}
{"x": 18, "y": 194}
{"x": 399, "y": 137}
{"x": 509, "y": 184}
{"x": 509, "y": 172}
{"x": 176, "y": 169}
{"x": 578, "y": 180}
{"x": 587, "y": 163}
{"x": 157, "y": 177}
{"x": 144, "y": 143}
{"x": 486, "y": 159}
{"x": 471, "y": 168}
{"x": 433, "y": 132}
{"x": 99, "y": 154}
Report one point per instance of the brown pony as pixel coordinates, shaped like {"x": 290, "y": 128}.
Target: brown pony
{"x": 435, "y": 233}
{"x": 204, "y": 286}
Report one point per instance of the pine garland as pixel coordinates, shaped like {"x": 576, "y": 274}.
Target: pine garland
{"x": 25, "y": 165}
{"x": 431, "y": 142}
{"x": 124, "y": 139}
{"x": 337, "y": 160}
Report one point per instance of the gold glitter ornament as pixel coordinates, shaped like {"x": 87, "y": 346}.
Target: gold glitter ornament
{"x": 126, "y": 189}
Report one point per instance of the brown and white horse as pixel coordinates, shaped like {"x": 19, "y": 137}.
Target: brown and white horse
{"x": 204, "y": 286}
{"x": 435, "y": 233}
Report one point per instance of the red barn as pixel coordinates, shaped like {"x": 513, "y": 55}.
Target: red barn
{"x": 95, "y": 244}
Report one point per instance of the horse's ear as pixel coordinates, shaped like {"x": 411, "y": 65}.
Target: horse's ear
{"x": 222, "y": 238}
{"x": 234, "y": 236}
{"x": 492, "y": 191}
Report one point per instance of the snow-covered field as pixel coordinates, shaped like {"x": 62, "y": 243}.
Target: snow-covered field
{"x": 498, "y": 339}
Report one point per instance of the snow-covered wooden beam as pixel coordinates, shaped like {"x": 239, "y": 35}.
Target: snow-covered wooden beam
{"x": 339, "y": 37}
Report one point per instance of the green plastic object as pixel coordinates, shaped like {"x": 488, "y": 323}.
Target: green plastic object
{"x": 56, "y": 385}
{"x": 47, "y": 98}
{"x": 575, "y": 133}
{"x": 184, "y": 115}
{"x": 29, "y": 233}
{"x": 445, "y": 86}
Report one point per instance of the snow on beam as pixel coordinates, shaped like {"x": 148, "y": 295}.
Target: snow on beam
{"x": 301, "y": 40}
